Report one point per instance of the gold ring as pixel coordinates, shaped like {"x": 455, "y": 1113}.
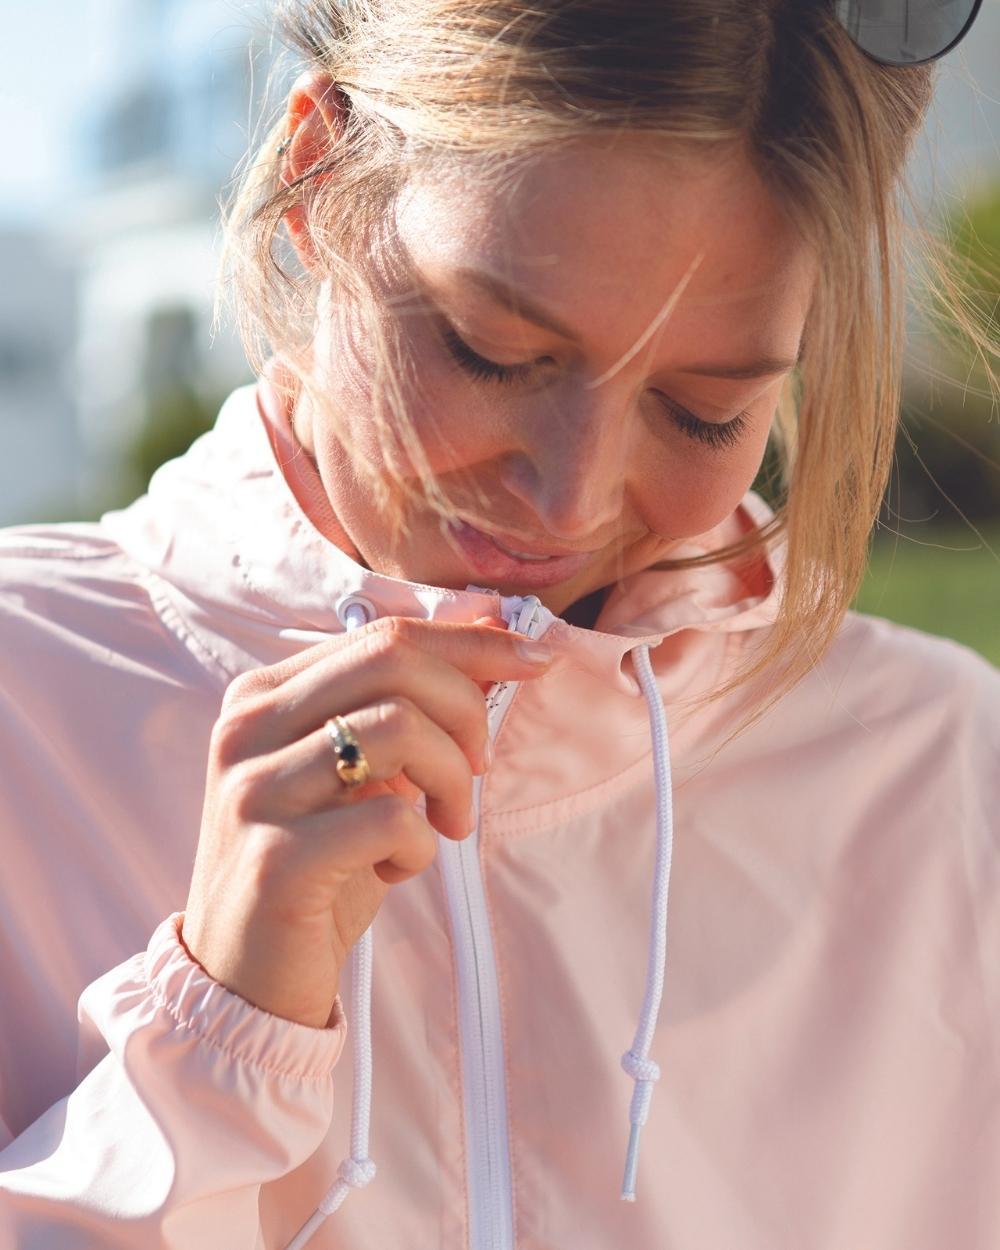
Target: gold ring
{"x": 352, "y": 765}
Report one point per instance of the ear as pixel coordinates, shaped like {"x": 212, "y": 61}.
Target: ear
{"x": 314, "y": 122}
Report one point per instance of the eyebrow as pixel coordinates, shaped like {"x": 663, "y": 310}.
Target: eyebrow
{"x": 521, "y": 306}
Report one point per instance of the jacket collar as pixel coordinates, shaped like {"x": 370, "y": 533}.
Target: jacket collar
{"x": 222, "y": 530}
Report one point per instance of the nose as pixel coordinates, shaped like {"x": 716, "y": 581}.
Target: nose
{"x": 572, "y": 470}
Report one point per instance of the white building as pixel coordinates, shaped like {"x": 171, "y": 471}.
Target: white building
{"x": 161, "y": 138}
{"x": 40, "y": 445}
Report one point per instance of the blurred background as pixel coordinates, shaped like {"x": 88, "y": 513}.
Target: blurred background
{"x": 125, "y": 121}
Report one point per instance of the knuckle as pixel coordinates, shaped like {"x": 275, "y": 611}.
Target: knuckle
{"x": 405, "y": 827}
{"x": 400, "y": 628}
{"x": 396, "y": 813}
{"x": 237, "y": 690}
{"x": 267, "y": 861}
{"x": 399, "y": 714}
{"x": 234, "y": 729}
{"x": 391, "y": 636}
{"x": 227, "y": 740}
{"x": 248, "y": 684}
{"x": 390, "y": 647}
{"x": 246, "y": 788}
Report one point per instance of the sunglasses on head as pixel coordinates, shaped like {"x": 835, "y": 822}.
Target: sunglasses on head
{"x": 906, "y": 32}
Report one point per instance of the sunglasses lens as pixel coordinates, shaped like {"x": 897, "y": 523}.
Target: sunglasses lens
{"x": 905, "y": 32}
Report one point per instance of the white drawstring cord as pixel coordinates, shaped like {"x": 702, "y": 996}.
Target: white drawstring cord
{"x": 635, "y": 1061}
{"x": 359, "y": 1169}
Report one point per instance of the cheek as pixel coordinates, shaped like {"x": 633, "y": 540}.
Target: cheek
{"x": 686, "y": 492}
{"x": 455, "y": 431}
{"x": 456, "y": 425}
{"x": 459, "y": 426}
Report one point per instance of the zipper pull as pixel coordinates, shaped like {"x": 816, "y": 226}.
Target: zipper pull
{"x": 524, "y": 614}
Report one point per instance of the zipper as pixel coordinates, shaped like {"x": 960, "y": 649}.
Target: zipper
{"x": 488, "y": 1175}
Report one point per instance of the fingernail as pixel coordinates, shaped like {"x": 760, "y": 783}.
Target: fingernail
{"x": 488, "y": 752}
{"x": 533, "y": 652}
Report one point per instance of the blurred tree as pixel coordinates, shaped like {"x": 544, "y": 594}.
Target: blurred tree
{"x": 170, "y": 425}
{"x": 948, "y": 449}
{"x": 171, "y": 422}
{"x": 178, "y": 416}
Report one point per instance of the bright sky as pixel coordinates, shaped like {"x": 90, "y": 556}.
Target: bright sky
{"x": 45, "y": 67}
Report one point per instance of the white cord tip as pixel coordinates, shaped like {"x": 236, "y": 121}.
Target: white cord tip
{"x": 631, "y": 1164}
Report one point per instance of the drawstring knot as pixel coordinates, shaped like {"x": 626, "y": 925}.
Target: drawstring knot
{"x": 643, "y": 1070}
{"x": 357, "y": 1172}
{"x": 353, "y": 1174}
{"x": 639, "y": 1067}
{"x": 358, "y": 1169}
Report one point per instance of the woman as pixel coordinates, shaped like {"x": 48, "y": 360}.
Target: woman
{"x": 386, "y": 663}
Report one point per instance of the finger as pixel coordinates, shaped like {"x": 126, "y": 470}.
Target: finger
{"x": 494, "y": 622}
{"x": 476, "y": 649}
{"x": 396, "y": 738}
{"x": 424, "y": 665}
{"x": 385, "y": 832}
{"x": 339, "y": 684}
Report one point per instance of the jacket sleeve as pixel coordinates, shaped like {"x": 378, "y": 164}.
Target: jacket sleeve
{"x": 201, "y": 1098}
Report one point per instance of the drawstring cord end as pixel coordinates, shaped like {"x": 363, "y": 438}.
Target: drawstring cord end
{"x": 644, "y": 1072}
{"x": 352, "y": 1174}
{"x": 631, "y": 1164}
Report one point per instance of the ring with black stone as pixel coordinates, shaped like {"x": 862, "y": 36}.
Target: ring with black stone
{"x": 352, "y": 766}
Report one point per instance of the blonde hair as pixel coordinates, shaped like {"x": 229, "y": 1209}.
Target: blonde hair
{"x": 495, "y": 82}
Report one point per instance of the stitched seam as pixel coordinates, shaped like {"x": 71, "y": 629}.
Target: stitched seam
{"x": 457, "y": 1053}
{"x": 158, "y": 591}
{"x": 581, "y": 801}
{"x": 504, "y": 1042}
{"x": 555, "y": 807}
{"x": 372, "y": 576}
{"x": 35, "y": 553}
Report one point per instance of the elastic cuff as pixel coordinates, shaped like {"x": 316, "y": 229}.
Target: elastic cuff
{"x": 224, "y": 1019}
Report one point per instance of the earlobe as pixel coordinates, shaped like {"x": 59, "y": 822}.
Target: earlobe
{"x": 315, "y": 121}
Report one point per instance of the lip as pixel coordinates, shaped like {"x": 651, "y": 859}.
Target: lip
{"x": 514, "y": 544}
{"x": 493, "y": 562}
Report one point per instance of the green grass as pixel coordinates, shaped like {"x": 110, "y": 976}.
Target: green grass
{"x": 945, "y": 580}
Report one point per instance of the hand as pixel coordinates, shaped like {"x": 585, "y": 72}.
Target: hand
{"x": 292, "y": 864}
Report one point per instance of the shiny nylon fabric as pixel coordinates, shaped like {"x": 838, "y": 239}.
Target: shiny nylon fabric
{"x": 828, "y": 1034}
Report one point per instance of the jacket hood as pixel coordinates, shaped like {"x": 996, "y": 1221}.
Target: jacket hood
{"x": 253, "y": 574}
{"x": 227, "y": 541}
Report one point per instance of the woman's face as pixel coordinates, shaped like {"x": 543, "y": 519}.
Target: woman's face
{"x": 553, "y": 375}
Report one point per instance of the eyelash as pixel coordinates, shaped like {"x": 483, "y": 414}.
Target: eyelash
{"x": 478, "y": 366}
{"x": 714, "y": 435}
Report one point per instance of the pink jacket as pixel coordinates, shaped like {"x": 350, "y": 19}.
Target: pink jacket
{"x": 821, "y": 1072}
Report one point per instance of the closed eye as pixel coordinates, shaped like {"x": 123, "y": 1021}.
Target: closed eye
{"x": 712, "y": 433}
{"x": 478, "y": 366}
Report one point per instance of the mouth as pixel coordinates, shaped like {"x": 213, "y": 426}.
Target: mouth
{"x": 492, "y": 557}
